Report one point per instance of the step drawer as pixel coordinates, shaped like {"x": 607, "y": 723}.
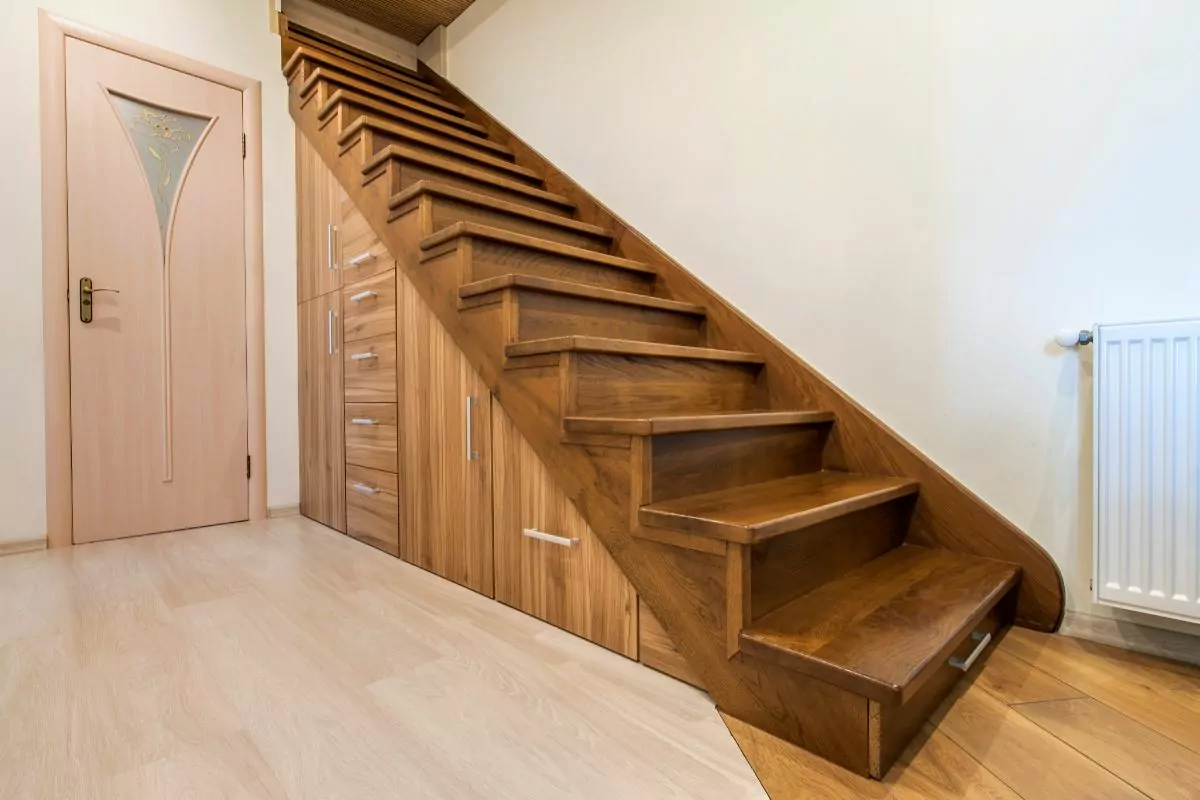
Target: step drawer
{"x": 371, "y": 435}
{"x": 370, "y": 369}
{"x": 373, "y": 508}
{"x": 369, "y": 307}
{"x": 363, "y": 254}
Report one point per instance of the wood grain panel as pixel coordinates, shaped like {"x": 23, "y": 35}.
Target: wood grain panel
{"x": 322, "y": 448}
{"x": 371, "y": 435}
{"x": 578, "y": 587}
{"x": 412, "y": 20}
{"x": 371, "y": 380}
{"x": 319, "y": 202}
{"x": 370, "y": 307}
{"x": 372, "y": 507}
{"x": 363, "y": 254}
{"x": 657, "y": 651}
{"x": 618, "y": 384}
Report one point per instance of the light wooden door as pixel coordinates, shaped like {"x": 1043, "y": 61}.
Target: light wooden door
{"x": 158, "y": 364}
{"x": 322, "y": 398}
{"x": 319, "y": 199}
{"x": 549, "y": 563}
{"x": 445, "y": 451}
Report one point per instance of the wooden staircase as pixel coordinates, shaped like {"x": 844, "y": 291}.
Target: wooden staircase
{"x": 825, "y": 581}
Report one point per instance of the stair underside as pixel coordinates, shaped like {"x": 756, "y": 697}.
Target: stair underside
{"x": 761, "y": 511}
{"x": 883, "y": 628}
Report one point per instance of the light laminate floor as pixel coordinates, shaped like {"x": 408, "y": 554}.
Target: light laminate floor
{"x": 282, "y": 660}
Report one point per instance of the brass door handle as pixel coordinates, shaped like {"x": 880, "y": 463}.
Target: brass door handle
{"x": 86, "y": 290}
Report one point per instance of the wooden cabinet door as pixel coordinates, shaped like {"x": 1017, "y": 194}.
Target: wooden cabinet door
{"x": 319, "y": 199}
{"x": 322, "y": 432}
{"x": 549, "y": 563}
{"x": 445, "y": 450}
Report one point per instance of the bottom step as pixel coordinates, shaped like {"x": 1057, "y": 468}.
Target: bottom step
{"x": 883, "y": 629}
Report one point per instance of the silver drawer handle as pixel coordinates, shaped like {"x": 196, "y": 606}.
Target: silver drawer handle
{"x": 358, "y": 298}
{"x": 965, "y": 664}
{"x": 363, "y": 356}
{"x": 363, "y": 421}
{"x": 542, "y": 536}
{"x": 330, "y": 237}
{"x": 362, "y": 488}
{"x": 361, "y": 259}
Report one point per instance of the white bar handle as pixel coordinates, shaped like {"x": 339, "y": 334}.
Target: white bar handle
{"x": 472, "y": 453}
{"x": 542, "y": 536}
{"x": 965, "y": 664}
{"x": 363, "y": 356}
{"x": 330, "y": 237}
{"x": 329, "y": 329}
{"x": 361, "y": 259}
{"x": 362, "y": 488}
{"x": 358, "y": 298}
{"x": 363, "y": 421}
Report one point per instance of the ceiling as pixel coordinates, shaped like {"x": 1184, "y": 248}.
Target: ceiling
{"x": 409, "y": 19}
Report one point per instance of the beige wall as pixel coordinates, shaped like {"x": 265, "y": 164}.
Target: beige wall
{"x": 231, "y": 34}
{"x": 912, "y": 196}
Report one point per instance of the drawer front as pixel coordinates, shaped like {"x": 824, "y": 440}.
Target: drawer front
{"x": 369, "y": 370}
{"x": 369, "y": 307}
{"x": 371, "y": 435}
{"x": 373, "y": 508}
{"x": 363, "y": 255}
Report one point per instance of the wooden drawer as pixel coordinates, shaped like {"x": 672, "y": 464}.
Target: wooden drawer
{"x": 369, "y": 307}
{"x": 371, "y": 435}
{"x": 369, "y": 371}
{"x": 373, "y": 508}
{"x": 363, "y": 255}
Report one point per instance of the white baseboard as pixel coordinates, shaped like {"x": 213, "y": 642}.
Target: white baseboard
{"x": 282, "y": 511}
{"x": 1133, "y": 636}
{"x": 22, "y": 546}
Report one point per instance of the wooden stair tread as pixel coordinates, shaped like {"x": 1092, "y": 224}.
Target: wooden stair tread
{"x": 496, "y": 204}
{"x": 375, "y": 74}
{"x": 429, "y": 128}
{"x": 410, "y": 134}
{"x": 401, "y": 153}
{"x": 663, "y": 424}
{"x": 582, "y": 290}
{"x": 761, "y": 511}
{"x": 413, "y": 93}
{"x": 884, "y": 628}
{"x": 392, "y": 105}
{"x": 627, "y": 347}
{"x": 501, "y": 236}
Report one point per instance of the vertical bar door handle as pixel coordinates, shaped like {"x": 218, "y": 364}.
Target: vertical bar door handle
{"x": 330, "y": 240}
{"x": 472, "y": 453}
{"x": 329, "y": 329}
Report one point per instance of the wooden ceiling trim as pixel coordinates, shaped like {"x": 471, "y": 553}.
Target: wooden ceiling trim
{"x": 409, "y": 19}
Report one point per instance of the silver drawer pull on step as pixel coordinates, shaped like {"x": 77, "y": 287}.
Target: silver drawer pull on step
{"x": 363, "y": 356}
{"x": 965, "y": 664}
{"x": 361, "y": 259}
{"x": 542, "y": 536}
{"x": 358, "y": 298}
{"x": 363, "y": 421}
{"x": 362, "y": 488}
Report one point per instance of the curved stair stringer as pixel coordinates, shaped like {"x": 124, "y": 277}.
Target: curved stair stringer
{"x": 690, "y": 584}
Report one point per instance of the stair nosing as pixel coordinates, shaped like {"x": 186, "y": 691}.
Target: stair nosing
{"x": 401, "y": 153}
{"x": 569, "y": 288}
{"x": 455, "y": 150}
{"x": 336, "y": 76}
{"x": 628, "y": 347}
{"x": 672, "y": 424}
{"x": 465, "y": 230}
{"x": 495, "y": 203}
{"x": 455, "y": 134}
{"x": 782, "y": 525}
{"x": 348, "y": 96}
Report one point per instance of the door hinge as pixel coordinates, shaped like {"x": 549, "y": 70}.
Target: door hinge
{"x": 1092, "y": 585}
{"x": 247, "y": 467}
{"x": 243, "y": 145}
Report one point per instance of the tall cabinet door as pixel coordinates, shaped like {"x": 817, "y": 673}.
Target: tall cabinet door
{"x": 445, "y": 451}
{"x": 322, "y": 443}
{"x": 319, "y": 199}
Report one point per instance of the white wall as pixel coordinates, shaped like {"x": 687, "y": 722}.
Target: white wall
{"x": 232, "y": 34}
{"x": 913, "y": 196}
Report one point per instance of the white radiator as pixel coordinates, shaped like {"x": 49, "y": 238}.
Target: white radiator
{"x": 1147, "y": 467}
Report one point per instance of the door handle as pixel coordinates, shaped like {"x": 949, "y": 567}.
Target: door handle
{"x": 472, "y": 453}
{"x": 330, "y": 237}
{"x": 86, "y": 290}
{"x": 363, "y": 356}
{"x": 362, "y": 488}
{"x": 363, "y": 421}
{"x": 361, "y": 259}
{"x": 358, "y": 298}
{"x": 330, "y": 319}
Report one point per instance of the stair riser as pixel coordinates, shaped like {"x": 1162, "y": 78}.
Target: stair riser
{"x": 330, "y": 81}
{"x": 537, "y": 315}
{"x": 401, "y": 174}
{"x": 442, "y": 212}
{"x": 370, "y": 141}
{"x": 487, "y": 259}
{"x": 352, "y": 109}
{"x": 603, "y": 384}
{"x": 309, "y": 64}
{"x": 681, "y": 464}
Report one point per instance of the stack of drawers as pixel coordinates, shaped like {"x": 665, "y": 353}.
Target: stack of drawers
{"x": 369, "y": 350}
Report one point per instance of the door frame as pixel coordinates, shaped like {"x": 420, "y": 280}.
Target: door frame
{"x": 53, "y": 33}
